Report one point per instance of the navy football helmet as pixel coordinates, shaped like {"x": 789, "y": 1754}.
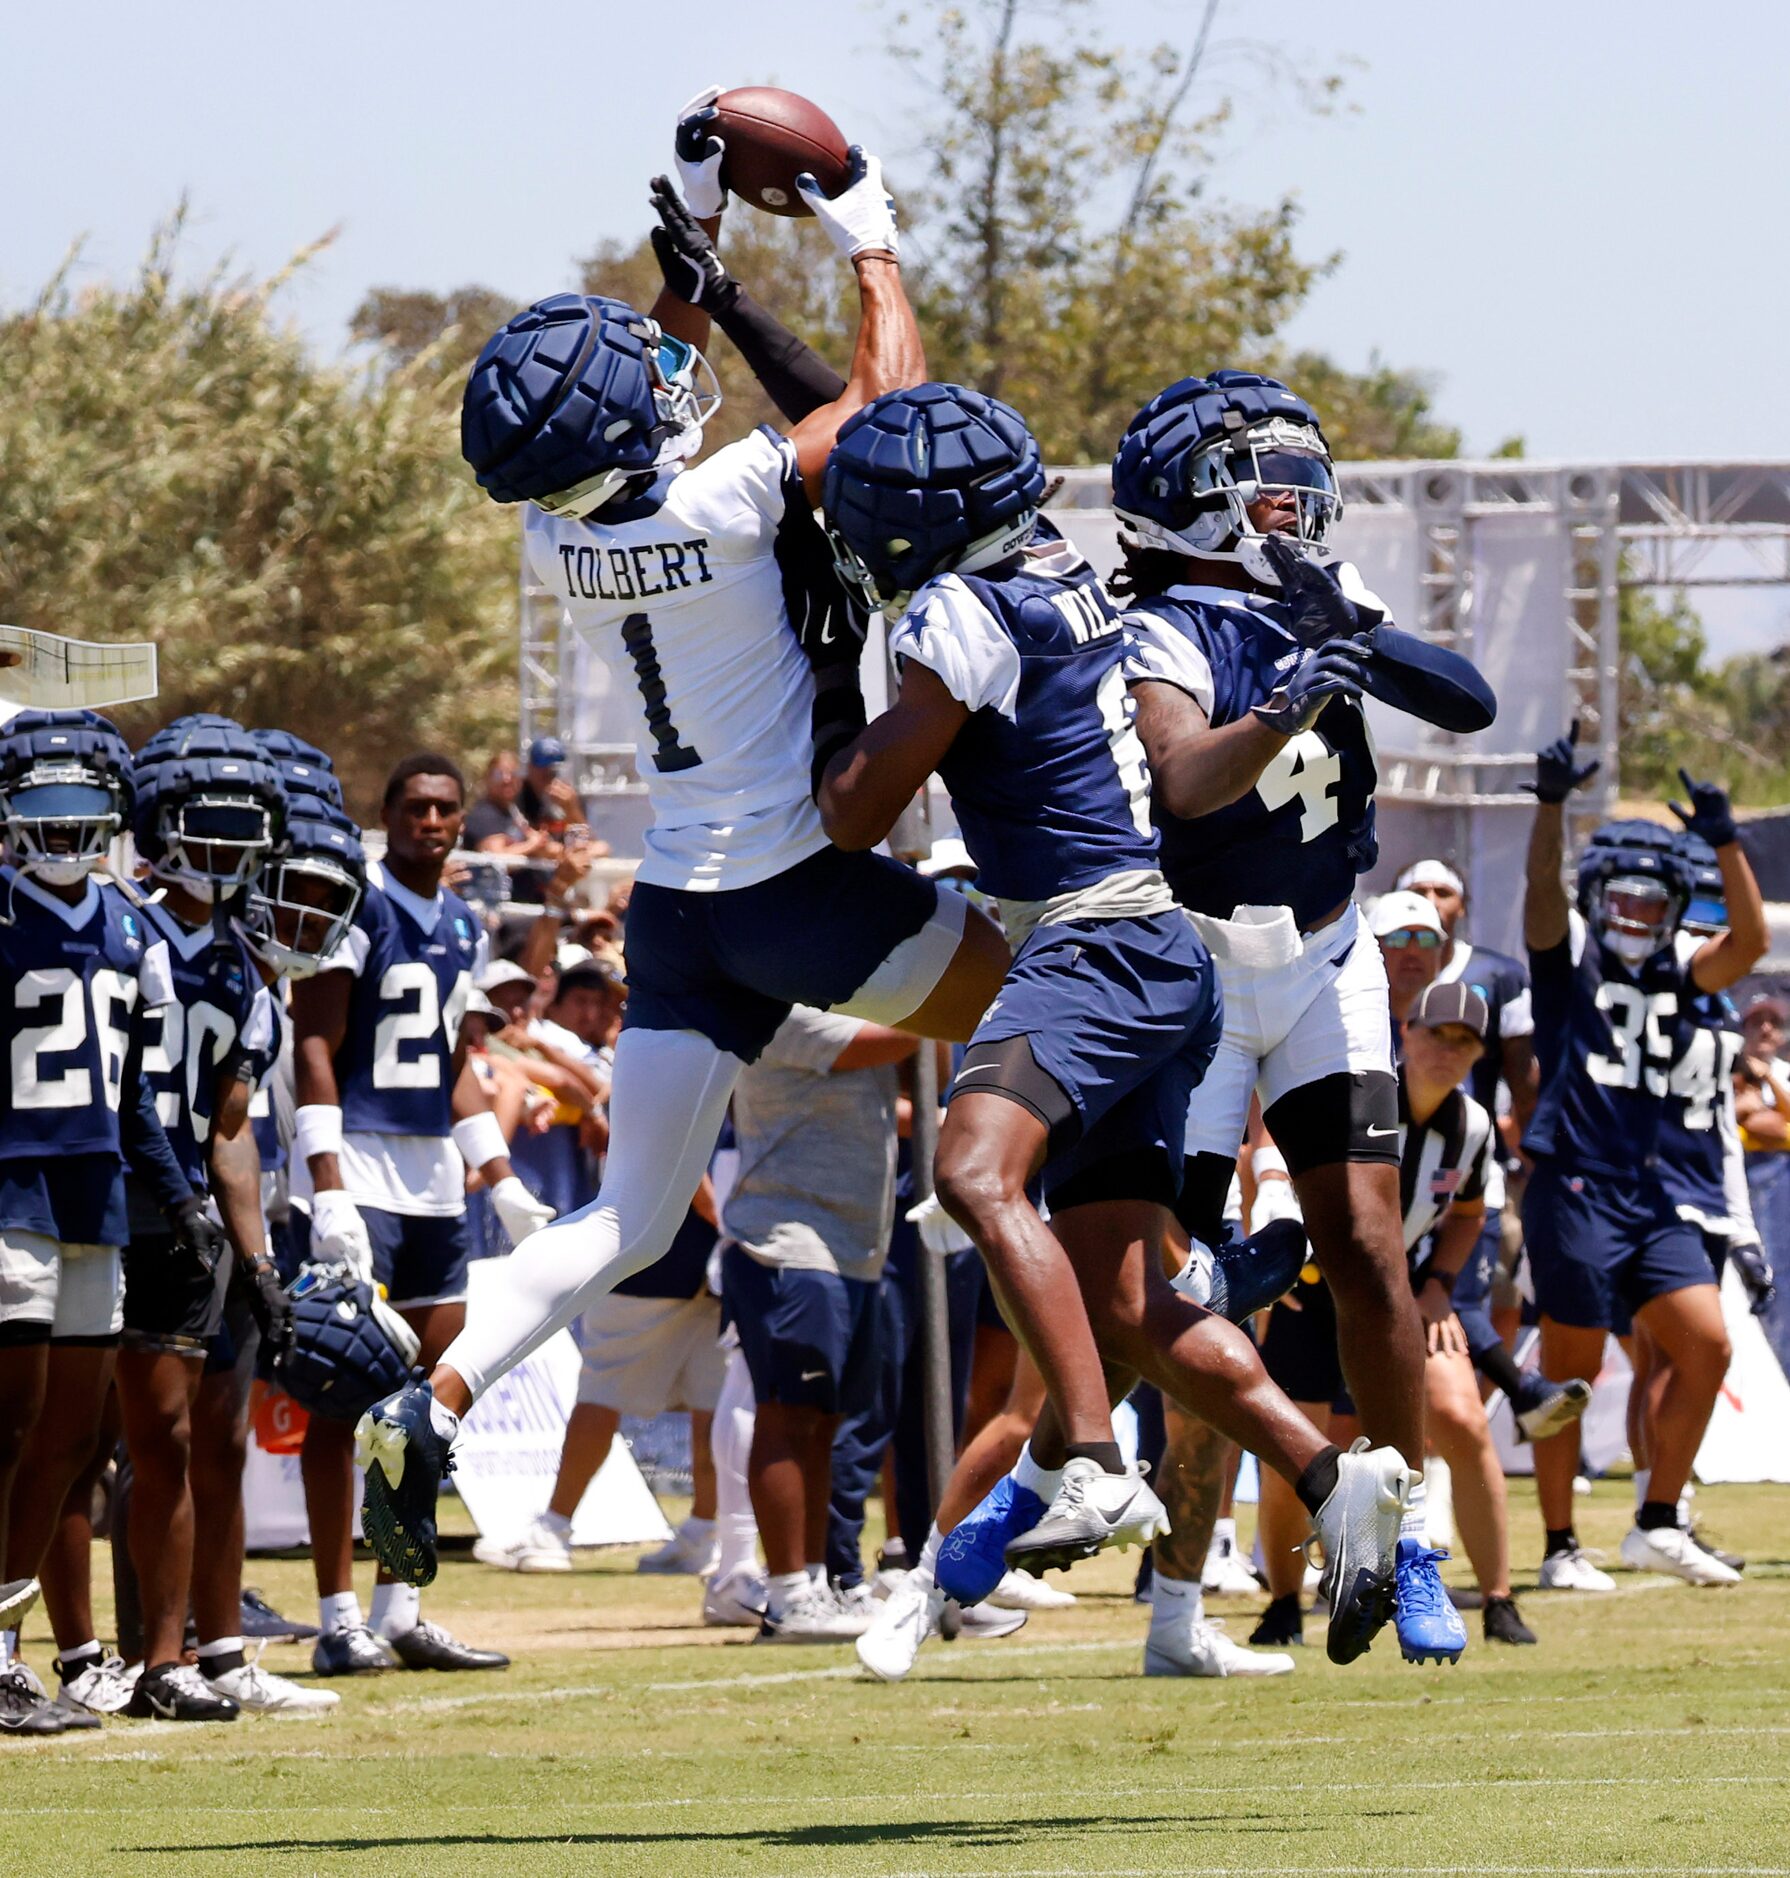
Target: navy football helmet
{"x": 1633, "y": 888}
{"x": 349, "y": 1348}
{"x": 930, "y": 480}
{"x": 210, "y": 807}
{"x": 1198, "y": 455}
{"x": 578, "y": 398}
{"x": 304, "y": 769}
{"x": 305, "y": 897}
{"x": 1707, "y": 912}
{"x": 66, "y": 789}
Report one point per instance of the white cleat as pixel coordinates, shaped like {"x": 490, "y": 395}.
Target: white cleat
{"x": 910, "y": 1614}
{"x": 1555, "y": 1411}
{"x": 1020, "y": 1591}
{"x": 539, "y": 1547}
{"x": 17, "y": 1596}
{"x": 1203, "y": 1649}
{"x": 1227, "y": 1572}
{"x": 690, "y": 1552}
{"x": 989, "y": 1620}
{"x": 812, "y": 1616}
{"x": 1572, "y": 1571}
{"x": 260, "y": 1692}
{"x": 1358, "y": 1529}
{"x": 103, "y": 1688}
{"x": 1672, "y": 1550}
{"x": 856, "y": 1601}
{"x": 736, "y": 1601}
{"x": 1092, "y": 1510}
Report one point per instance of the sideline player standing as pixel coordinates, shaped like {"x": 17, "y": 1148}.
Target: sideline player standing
{"x": 1249, "y": 661}
{"x": 1013, "y": 691}
{"x": 1603, "y": 1232}
{"x": 390, "y": 1117}
{"x": 694, "y": 584}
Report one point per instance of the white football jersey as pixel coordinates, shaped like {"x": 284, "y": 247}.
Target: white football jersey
{"x": 686, "y": 606}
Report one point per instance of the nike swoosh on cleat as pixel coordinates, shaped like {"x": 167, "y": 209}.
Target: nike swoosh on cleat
{"x": 812, "y": 1375}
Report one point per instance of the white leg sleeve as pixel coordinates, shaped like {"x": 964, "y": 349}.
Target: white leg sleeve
{"x": 667, "y": 1100}
{"x": 731, "y": 1442}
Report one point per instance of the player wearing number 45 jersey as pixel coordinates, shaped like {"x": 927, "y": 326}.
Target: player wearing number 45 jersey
{"x": 703, "y": 589}
{"x": 1250, "y": 657}
{"x": 1612, "y": 997}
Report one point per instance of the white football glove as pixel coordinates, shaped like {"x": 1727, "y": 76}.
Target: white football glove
{"x": 1274, "y": 1199}
{"x": 938, "y": 1231}
{"x": 339, "y": 1234}
{"x": 861, "y": 218}
{"x": 700, "y": 154}
{"x": 518, "y": 1209}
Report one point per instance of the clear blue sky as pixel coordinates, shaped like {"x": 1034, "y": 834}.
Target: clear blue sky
{"x": 1572, "y": 215}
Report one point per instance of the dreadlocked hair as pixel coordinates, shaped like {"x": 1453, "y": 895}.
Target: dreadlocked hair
{"x": 1147, "y": 572}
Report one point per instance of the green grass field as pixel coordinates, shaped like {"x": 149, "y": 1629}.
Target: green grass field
{"x": 1650, "y": 1732}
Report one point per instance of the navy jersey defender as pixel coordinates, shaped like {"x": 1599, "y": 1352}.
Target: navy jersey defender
{"x": 1013, "y": 688}
{"x": 588, "y": 410}
{"x": 1606, "y": 1240}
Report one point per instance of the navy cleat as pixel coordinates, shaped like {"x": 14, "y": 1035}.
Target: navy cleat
{"x": 1245, "y": 1275}
{"x": 972, "y": 1558}
{"x": 1429, "y": 1627}
{"x": 1358, "y": 1529}
{"x": 405, "y": 1461}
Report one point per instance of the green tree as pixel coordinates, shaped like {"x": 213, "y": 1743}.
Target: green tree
{"x": 301, "y": 541}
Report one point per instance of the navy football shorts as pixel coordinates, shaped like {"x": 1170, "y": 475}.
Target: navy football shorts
{"x": 810, "y": 1339}
{"x": 1601, "y": 1246}
{"x": 730, "y": 965}
{"x": 1124, "y": 1016}
{"x": 419, "y": 1258}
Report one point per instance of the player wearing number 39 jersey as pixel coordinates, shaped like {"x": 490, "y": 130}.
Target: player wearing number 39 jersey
{"x": 1250, "y": 654}
{"x": 1613, "y": 997}
{"x": 710, "y": 594}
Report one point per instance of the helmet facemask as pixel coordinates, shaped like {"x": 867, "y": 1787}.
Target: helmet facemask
{"x": 214, "y": 842}
{"x": 1634, "y": 916}
{"x": 877, "y": 592}
{"x": 61, "y": 817}
{"x": 299, "y": 912}
{"x": 686, "y": 394}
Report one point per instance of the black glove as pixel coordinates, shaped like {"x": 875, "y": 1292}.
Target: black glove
{"x": 1709, "y": 814}
{"x": 271, "y": 1308}
{"x": 1320, "y": 610}
{"x": 687, "y": 258}
{"x": 1753, "y": 1269}
{"x": 1558, "y": 771}
{"x": 197, "y": 1234}
{"x": 1321, "y": 673}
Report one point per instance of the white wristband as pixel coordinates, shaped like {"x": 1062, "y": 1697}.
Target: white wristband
{"x": 1268, "y": 1161}
{"x": 317, "y": 1129}
{"x": 480, "y": 1139}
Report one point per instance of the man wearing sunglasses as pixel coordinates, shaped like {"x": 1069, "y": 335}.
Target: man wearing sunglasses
{"x": 1409, "y": 930}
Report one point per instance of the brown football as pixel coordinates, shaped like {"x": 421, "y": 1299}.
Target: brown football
{"x": 772, "y": 137}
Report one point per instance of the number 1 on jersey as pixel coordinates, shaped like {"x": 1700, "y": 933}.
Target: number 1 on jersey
{"x": 670, "y": 751}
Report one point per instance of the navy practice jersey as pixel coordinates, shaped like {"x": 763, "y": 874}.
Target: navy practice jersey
{"x": 413, "y": 963}
{"x": 77, "y": 983}
{"x": 1047, "y": 777}
{"x": 1504, "y": 985}
{"x": 1304, "y": 833}
{"x": 266, "y": 1066}
{"x": 1604, "y": 1042}
{"x": 1698, "y": 1134}
{"x": 211, "y": 1033}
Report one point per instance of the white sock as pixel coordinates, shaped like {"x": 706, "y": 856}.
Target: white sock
{"x": 1414, "y": 1523}
{"x": 668, "y": 1093}
{"x": 339, "y": 1611}
{"x": 701, "y": 1530}
{"x": 1224, "y": 1536}
{"x": 396, "y": 1609}
{"x": 730, "y": 1441}
{"x": 817, "y": 1574}
{"x": 443, "y": 1420}
{"x": 557, "y": 1522}
{"x": 9, "y": 1642}
{"x": 1175, "y": 1603}
{"x": 783, "y": 1588}
{"x": 1043, "y": 1481}
{"x": 1642, "y": 1476}
{"x": 929, "y": 1554}
{"x": 220, "y": 1646}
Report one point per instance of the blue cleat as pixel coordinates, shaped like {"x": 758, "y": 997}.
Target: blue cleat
{"x": 1429, "y": 1627}
{"x": 1244, "y": 1276}
{"x": 405, "y": 1460}
{"x": 972, "y": 1560}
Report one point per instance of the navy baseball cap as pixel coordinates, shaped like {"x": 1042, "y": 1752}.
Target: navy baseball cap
{"x": 1452, "y": 1003}
{"x": 546, "y": 753}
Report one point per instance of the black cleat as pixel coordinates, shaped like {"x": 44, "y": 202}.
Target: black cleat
{"x": 428, "y": 1646}
{"x": 180, "y": 1692}
{"x": 405, "y": 1462}
{"x": 1503, "y": 1624}
{"x": 262, "y": 1622}
{"x": 23, "y": 1711}
{"x": 1282, "y": 1623}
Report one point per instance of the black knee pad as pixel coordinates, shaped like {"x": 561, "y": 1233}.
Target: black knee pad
{"x": 1345, "y": 1117}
